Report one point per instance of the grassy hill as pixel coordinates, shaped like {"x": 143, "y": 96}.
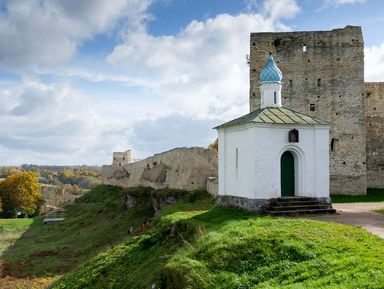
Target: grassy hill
{"x": 189, "y": 245}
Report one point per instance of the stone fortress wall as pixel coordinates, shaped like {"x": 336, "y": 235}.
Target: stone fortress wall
{"x": 180, "y": 168}
{"x": 324, "y": 77}
{"x": 374, "y": 92}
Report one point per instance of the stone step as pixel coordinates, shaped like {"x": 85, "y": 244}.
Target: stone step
{"x": 295, "y": 203}
{"x": 288, "y": 199}
{"x": 300, "y": 212}
{"x": 298, "y": 207}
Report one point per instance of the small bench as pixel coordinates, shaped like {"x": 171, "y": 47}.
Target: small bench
{"x": 52, "y": 220}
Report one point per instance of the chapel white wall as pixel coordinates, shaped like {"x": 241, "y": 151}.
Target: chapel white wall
{"x": 259, "y": 152}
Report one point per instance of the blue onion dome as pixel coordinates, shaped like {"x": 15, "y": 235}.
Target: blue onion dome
{"x": 270, "y": 72}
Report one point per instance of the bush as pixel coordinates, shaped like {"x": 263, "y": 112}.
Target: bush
{"x": 198, "y": 195}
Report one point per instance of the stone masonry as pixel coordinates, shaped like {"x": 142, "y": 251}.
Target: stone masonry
{"x": 374, "y": 92}
{"x": 323, "y": 77}
{"x": 180, "y": 168}
{"x": 122, "y": 158}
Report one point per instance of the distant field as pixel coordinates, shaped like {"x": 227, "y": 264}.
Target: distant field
{"x": 11, "y": 230}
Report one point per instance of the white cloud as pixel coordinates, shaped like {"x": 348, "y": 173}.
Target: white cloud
{"x": 374, "y": 63}
{"x": 342, "y": 2}
{"x": 44, "y": 32}
{"x": 202, "y": 71}
{"x": 281, "y": 9}
{"x": 199, "y": 75}
{"x": 50, "y": 120}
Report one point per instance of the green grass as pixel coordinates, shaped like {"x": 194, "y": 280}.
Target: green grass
{"x": 188, "y": 245}
{"x": 373, "y": 195}
{"x": 196, "y": 246}
{"x": 93, "y": 223}
{"x": 11, "y": 230}
{"x": 379, "y": 211}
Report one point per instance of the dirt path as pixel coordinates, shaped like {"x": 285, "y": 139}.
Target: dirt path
{"x": 358, "y": 214}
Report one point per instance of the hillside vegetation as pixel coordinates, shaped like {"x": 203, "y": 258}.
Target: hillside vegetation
{"x": 191, "y": 244}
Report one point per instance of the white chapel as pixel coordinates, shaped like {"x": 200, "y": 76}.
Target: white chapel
{"x": 273, "y": 153}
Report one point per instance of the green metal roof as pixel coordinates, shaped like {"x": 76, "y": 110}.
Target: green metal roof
{"x": 276, "y": 115}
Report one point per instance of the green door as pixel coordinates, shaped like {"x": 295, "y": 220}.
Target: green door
{"x": 287, "y": 174}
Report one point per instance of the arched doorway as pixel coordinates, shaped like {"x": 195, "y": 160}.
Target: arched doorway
{"x": 287, "y": 174}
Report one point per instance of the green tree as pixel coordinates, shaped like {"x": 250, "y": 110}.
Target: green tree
{"x": 21, "y": 193}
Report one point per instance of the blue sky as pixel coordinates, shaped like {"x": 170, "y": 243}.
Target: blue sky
{"x": 80, "y": 79}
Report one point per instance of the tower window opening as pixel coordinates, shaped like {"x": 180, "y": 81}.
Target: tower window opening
{"x": 274, "y": 97}
{"x": 123, "y": 158}
{"x": 293, "y": 135}
{"x": 290, "y": 83}
{"x": 304, "y": 47}
{"x": 318, "y": 82}
{"x": 312, "y": 107}
{"x": 333, "y": 144}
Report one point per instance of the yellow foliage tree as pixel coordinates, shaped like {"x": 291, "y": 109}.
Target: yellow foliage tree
{"x": 21, "y": 192}
{"x": 214, "y": 145}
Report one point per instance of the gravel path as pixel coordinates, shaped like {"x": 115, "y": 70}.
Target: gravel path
{"x": 358, "y": 214}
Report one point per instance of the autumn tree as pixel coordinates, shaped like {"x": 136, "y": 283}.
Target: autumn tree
{"x": 214, "y": 145}
{"x": 21, "y": 193}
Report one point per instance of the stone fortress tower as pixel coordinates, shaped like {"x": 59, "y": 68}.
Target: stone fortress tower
{"x": 122, "y": 158}
{"x": 324, "y": 77}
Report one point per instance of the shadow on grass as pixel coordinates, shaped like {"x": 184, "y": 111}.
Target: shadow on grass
{"x": 373, "y": 195}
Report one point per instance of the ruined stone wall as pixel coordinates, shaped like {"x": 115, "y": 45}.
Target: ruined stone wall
{"x": 323, "y": 76}
{"x": 374, "y": 92}
{"x": 180, "y": 168}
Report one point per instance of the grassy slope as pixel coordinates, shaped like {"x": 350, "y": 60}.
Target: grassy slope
{"x": 196, "y": 246}
{"x": 95, "y": 222}
{"x": 188, "y": 246}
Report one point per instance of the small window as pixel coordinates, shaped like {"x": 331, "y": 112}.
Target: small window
{"x": 304, "y": 47}
{"x": 119, "y": 164}
{"x": 293, "y": 135}
{"x": 114, "y": 158}
{"x": 318, "y": 82}
{"x": 123, "y": 158}
{"x": 237, "y": 158}
{"x": 274, "y": 97}
{"x": 290, "y": 83}
{"x": 334, "y": 142}
{"x": 312, "y": 107}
